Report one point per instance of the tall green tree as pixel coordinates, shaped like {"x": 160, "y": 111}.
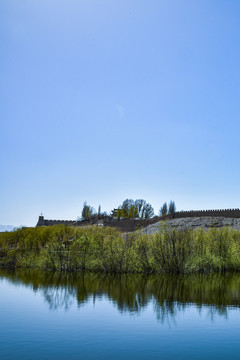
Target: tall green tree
{"x": 172, "y": 208}
{"x": 164, "y": 210}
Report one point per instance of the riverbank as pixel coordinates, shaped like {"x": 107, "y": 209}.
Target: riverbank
{"x": 99, "y": 249}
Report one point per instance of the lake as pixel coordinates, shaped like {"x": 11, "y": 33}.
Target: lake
{"x": 47, "y": 315}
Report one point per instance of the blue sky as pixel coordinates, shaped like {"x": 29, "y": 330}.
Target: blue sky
{"x": 107, "y": 100}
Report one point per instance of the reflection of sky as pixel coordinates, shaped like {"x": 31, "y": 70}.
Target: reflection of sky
{"x": 98, "y": 330}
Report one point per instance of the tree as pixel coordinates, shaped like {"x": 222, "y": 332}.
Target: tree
{"x": 99, "y": 213}
{"x": 172, "y": 208}
{"x": 148, "y": 211}
{"x": 119, "y": 213}
{"x": 164, "y": 210}
{"x": 126, "y": 207}
{"x": 140, "y": 206}
{"x": 138, "y": 209}
{"x": 133, "y": 213}
{"x": 88, "y": 211}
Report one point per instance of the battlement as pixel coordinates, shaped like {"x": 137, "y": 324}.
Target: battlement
{"x": 128, "y": 225}
{"x": 44, "y": 222}
{"x": 231, "y": 213}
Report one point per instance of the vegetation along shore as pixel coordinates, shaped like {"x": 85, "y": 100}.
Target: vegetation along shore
{"x": 105, "y": 249}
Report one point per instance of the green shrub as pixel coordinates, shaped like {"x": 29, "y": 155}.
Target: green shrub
{"x": 103, "y": 249}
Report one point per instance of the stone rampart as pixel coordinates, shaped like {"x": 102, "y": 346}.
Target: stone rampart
{"x": 129, "y": 225}
{"x": 44, "y": 222}
{"x": 230, "y": 213}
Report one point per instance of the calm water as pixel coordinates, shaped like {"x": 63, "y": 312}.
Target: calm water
{"x": 89, "y": 316}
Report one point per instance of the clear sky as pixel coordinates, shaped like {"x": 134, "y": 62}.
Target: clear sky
{"x": 107, "y": 100}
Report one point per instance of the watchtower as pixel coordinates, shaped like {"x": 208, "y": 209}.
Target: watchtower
{"x": 41, "y": 221}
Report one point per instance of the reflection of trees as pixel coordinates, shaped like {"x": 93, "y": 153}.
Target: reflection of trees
{"x": 132, "y": 293}
{"x": 167, "y": 310}
{"x": 58, "y": 295}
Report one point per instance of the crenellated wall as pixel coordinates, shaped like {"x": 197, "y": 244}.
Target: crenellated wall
{"x": 125, "y": 225}
{"x": 44, "y": 222}
{"x": 231, "y": 213}
{"x": 128, "y": 225}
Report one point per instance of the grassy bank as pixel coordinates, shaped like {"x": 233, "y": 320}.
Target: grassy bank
{"x": 104, "y": 249}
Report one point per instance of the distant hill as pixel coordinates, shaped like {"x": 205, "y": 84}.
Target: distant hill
{"x": 7, "y": 228}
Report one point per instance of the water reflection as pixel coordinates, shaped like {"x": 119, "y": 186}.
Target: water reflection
{"x": 170, "y": 294}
